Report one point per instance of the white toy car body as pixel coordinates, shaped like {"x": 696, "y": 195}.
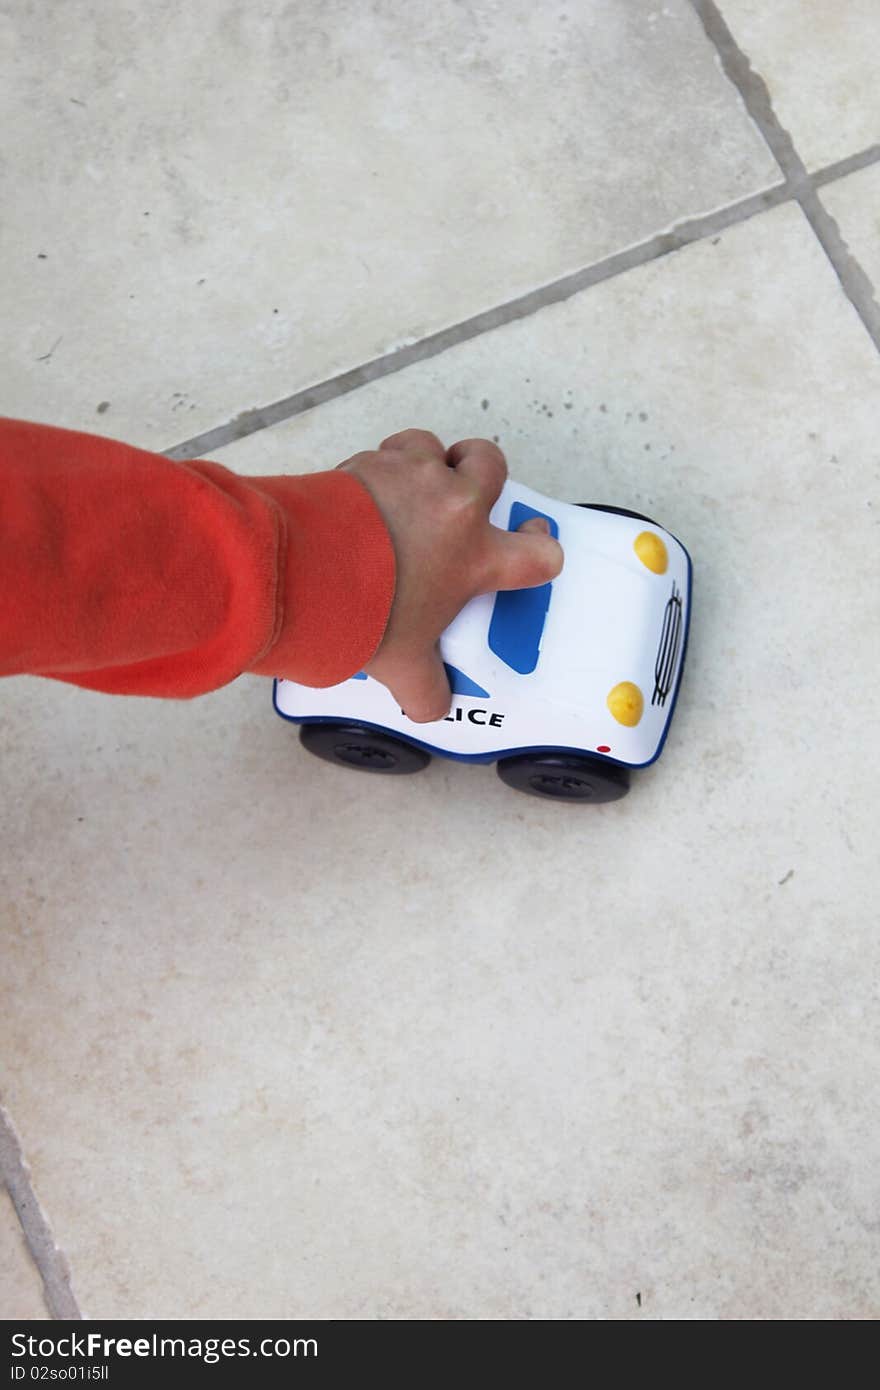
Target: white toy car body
{"x": 587, "y": 666}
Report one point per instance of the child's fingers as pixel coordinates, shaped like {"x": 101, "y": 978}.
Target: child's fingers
{"x": 483, "y": 464}
{"x": 419, "y": 443}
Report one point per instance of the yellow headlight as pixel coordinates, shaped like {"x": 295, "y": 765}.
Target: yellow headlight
{"x": 651, "y": 551}
{"x": 627, "y": 703}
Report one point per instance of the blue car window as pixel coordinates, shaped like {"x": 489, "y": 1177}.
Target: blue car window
{"x": 519, "y": 615}
{"x": 461, "y": 684}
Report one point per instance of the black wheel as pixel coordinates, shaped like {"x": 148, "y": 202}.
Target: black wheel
{"x": 618, "y": 511}
{"x": 369, "y": 750}
{"x": 564, "y": 776}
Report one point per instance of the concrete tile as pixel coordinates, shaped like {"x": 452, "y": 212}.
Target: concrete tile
{"x": 292, "y": 1042}
{"x": 21, "y": 1289}
{"x": 820, "y": 65}
{"x": 218, "y": 205}
{"x": 855, "y": 204}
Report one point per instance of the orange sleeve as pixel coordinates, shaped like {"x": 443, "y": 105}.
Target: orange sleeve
{"x": 126, "y": 572}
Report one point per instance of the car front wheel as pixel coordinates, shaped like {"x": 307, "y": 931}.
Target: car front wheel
{"x": 564, "y": 777}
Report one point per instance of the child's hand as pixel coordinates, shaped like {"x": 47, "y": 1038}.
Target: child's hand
{"x": 436, "y": 503}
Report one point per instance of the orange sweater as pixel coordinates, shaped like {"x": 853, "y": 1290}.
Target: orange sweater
{"x": 125, "y": 572}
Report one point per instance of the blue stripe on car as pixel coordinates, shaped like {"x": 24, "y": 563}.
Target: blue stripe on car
{"x": 519, "y": 615}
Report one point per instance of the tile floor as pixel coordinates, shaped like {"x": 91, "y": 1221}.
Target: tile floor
{"x": 279, "y": 1041}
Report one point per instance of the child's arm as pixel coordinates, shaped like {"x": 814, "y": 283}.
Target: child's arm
{"x": 125, "y": 572}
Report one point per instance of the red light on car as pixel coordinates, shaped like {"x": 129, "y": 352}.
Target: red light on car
{"x": 603, "y": 748}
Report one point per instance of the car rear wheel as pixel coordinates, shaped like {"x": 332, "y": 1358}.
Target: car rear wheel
{"x": 367, "y": 750}
{"x": 564, "y": 777}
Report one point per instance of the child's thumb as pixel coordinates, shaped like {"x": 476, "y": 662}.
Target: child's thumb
{"x": 421, "y": 688}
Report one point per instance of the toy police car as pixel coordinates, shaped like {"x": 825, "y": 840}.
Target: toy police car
{"x": 565, "y": 687}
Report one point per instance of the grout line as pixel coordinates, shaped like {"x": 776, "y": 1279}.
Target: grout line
{"x": 854, "y": 280}
{"x": 49, "y": 1260}
{"x": 752, "y": 88}
{"x": 797, "y": 186}
{"x": 681, "y": 234}
{"x": 851, "y": 165}
{"x": 755, "y": 95}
